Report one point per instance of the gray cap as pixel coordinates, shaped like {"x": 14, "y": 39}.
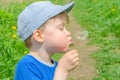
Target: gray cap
{"x": 36, "y": 14}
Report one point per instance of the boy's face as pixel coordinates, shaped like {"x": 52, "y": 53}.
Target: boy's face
{"x": 56, "y": 36}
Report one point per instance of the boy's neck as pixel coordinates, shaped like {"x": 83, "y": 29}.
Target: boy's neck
{"x": 42, "y": 54}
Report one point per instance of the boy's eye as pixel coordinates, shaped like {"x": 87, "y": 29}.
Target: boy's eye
{"x": 61, "y": 29}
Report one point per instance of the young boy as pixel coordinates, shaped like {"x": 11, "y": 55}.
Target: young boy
{"x": 42, "y": 26}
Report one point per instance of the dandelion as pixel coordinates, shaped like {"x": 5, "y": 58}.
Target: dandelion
{"x": 81, "y": 36}
{"x": 14, "y": 36}
{"x": 14, "y": 28}
{"x": 25, "y": 52}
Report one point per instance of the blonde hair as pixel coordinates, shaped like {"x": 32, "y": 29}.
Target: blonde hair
{"x": 63, "y": 16}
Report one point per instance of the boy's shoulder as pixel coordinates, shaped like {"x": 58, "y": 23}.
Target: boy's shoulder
{"x": 29, "y": 67}
{"x": 25, "y": 62}
{"x": 26, "y": 59}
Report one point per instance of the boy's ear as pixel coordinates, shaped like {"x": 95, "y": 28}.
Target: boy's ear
{"x": 38, "y": 36}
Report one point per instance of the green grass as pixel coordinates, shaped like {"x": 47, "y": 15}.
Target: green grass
{"x": 12, "y": 49}
{"x": 101, "y": 18}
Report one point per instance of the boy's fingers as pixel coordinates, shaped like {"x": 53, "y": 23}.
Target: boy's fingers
{"x": 72, "y": 51}
{"x": 76, "y": 64}
{"x": 76, "y": 60}
{"x": 75, "y": 55}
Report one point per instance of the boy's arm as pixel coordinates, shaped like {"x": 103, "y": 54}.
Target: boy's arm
{"x": 68, "y": 62}
{"x": 60, "y": 74}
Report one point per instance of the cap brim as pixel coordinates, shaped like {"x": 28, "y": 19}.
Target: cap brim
{"x": 68, "y": 7}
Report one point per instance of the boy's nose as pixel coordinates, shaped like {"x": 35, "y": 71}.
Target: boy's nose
{"x": 67, "y": 33}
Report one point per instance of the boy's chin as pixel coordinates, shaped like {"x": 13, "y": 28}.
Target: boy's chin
{"x": 63, "y": 50}
{"x": 66, "y": 48}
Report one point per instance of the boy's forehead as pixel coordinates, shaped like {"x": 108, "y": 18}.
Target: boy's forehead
{"x": 54, "y": 23}
{"x": 57, "y": 21}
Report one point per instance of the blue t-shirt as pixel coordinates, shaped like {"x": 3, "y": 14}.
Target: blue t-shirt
{"x": 29, "y": 68}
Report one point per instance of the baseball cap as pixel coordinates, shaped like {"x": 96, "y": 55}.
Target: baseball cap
{"x": 36, "y": 14}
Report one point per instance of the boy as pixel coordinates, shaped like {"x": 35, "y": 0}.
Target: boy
{"x": 42, "y": 26}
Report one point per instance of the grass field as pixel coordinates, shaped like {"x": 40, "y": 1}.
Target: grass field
{"x": 12, "y": 49}
{"x": 100, "y": 17}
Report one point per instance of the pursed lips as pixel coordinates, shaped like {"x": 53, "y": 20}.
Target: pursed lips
{"x": 70, "y": 40}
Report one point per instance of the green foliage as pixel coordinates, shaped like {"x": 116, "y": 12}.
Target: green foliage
{"x": 101, "y": 18}
{"x": 12, "y": 49}
{"x": 109, "y": 67}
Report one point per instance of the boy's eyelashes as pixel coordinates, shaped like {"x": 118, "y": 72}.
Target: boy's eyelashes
{"x": 61, "y": 28}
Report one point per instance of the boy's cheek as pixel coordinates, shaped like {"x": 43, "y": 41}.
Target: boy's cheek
{"x": 56, "y": 41}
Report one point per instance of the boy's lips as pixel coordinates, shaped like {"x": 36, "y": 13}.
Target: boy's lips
{"x": 71, "y": 41}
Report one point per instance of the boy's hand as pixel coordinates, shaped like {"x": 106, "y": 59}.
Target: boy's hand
{"x": 69, "y": 61}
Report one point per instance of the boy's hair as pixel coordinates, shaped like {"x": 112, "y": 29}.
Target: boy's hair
{"x": 63, "y": 16}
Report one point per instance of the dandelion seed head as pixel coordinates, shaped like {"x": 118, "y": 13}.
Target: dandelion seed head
{"x": 82, "y": 35}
